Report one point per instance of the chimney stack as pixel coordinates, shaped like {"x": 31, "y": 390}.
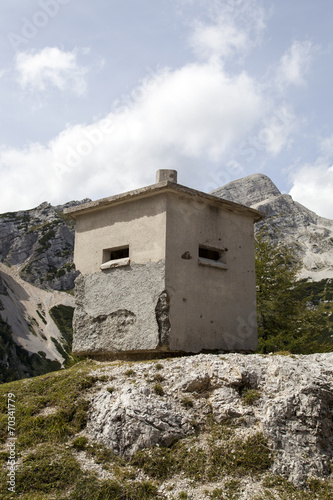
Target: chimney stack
{"x": 166, "y": 175}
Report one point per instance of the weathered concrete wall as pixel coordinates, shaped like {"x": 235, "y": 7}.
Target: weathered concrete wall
{"x": 210, "y": 308}
{"x": 124, "y": 309}
{"x": 140, "y": 223}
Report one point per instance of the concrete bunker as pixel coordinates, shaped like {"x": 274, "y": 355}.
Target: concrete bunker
{"x": 164, "y": 269}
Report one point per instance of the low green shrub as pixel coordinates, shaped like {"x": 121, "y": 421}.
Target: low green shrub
{"x": 158, "y": 389}
{"x": 250, "y": 396}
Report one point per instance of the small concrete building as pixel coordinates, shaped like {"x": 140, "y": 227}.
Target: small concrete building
{"x": 164, "y": 268}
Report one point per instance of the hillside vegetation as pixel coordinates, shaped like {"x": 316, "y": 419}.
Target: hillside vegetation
{"x": 293, "y": 315}
{"x": 201, "y": 446}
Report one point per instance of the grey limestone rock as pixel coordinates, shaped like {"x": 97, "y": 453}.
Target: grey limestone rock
{"x": 3, "y": 286}
{"x": 40, "y": 241}
{"x": 249, "y": 190}
{"x": 134, "y": 419}
{"x": 293, "y": 409}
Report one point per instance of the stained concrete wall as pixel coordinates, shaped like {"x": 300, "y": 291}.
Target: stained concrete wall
{"x": 210, "y": 308}
{"x": 141, "y": 224}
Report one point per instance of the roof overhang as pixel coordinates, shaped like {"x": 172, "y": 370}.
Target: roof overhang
{"x": 159, "y": 188}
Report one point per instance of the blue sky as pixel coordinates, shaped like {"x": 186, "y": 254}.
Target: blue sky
{"x": 97, "y": 96}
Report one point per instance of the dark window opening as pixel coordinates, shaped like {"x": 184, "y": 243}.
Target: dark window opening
{"x": 120, "y": 253}
{"x": 209, "y": 253}
{"x": 115, "y": 254}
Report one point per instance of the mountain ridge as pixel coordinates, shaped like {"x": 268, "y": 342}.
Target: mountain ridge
{"x": 287, "y": 222}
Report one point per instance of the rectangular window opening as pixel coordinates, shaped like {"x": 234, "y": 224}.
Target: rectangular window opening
{"x": 115, "y": 257}
{"x": 209, "y": 253}
{"x": 212, "y": 257}
{"x": 119, "y": 253}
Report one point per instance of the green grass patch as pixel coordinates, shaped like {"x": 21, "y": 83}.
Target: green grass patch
{"x": 230, "y": 491}
{"x": 95, "y": 489}
{"x": 80, "y": 443}
{"x": 158, "y": 389}
{"x": 46, "y": 470}
{"x": 103, "y": 455}
{"x": 250, "y": 396}
{"x": 187, "y": 402}
{"x": 222, "y": 454}
{"x": 51, "y": 472}
{"x": 130, "y": 372}
{"x": 316, "y": 489}
{"x": 60, "y": 390}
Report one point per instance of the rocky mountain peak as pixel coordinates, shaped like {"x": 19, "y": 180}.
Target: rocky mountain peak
{"x": 249, "y": 190}
{"x": 287, "y": 222}
{"x": 43, "y": 205}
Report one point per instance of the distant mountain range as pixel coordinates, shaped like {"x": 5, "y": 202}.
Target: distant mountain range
{"x": 37, "y": 272}
{"x": 287, "y": 222}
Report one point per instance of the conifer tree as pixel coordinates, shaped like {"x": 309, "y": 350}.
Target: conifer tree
{"x": 286, "y": 320}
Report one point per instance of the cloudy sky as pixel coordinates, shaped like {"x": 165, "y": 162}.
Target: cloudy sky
{"x": 97, "y": 95}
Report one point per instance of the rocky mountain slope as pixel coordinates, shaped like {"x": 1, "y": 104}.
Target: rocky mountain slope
{"x": 230, "y": 426}
{"x": 39, "y": 243}
{"x": 287, "y": 222}
{"x": 36, "y": 253}
{"x": 31, "y": 340}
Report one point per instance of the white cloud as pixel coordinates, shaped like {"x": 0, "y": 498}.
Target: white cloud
{"x": 188, "y": 119}
{"x": 313, "y": 187}
{"x": 193, "y": 119}
{"x": 326, "y": 147}
{"x": 313, "y": 183}
{"x": 295, "y": 64}
{"x": 232, "y": 29}
{"x": 218, "y": 40}
{"x": 279, "y": 128}
{"x": 51, "y": 67}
